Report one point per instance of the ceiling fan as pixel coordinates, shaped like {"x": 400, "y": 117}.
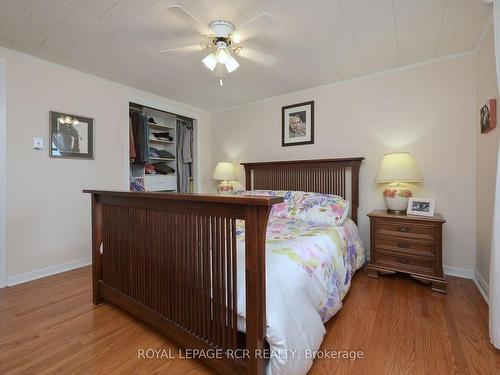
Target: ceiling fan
{"x": 223, "y": 42}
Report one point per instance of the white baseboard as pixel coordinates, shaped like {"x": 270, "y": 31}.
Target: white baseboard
{"x": 459, "y": 272}
{"x": 482, "y": 285}
{"x": 465, "y": 273}
{"x": 48, "y": 271}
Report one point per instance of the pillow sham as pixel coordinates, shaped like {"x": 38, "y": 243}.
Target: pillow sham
{"x": 277, "y": 208}
{"x": 318, "y": 208}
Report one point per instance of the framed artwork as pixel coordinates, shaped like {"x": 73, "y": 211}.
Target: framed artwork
{"x": 71, "y": 136}
{"x": 297, "y": 126}
{"x": 420, "y": 207}
{"x": 489, "y": 116}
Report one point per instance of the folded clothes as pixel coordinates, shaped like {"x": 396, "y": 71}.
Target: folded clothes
{"x": 163, "y": 136}
{"x": 165, "y": 154}
{"x": 149, "y": 169}
{"x": 156, "y": 153}
{"x": 163, "y": 168}
{"x": 153, "y": 153}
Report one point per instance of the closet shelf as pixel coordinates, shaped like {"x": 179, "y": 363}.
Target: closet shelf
{"x": 160, "y": 127}
{"x": 162, "y": 159}
{"x": 162, "y": 142}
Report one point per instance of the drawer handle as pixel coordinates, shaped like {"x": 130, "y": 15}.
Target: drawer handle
{"x": 403, "y": 245}
{"x": 403, "y": 260}
{"x": 404, "y": 229}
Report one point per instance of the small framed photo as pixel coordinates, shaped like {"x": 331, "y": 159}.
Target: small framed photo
{"x": 297, "y": 126}
{"x": 420, "y": 206}
{"x": 71, "y": 136}
{"x": 488, "y": 116}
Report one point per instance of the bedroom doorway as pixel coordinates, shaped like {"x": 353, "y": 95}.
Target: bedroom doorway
{"x": 3, "y": 174}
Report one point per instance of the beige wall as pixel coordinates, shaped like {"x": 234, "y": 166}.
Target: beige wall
{"x": 48, "y": 216}
{"x": 486, "y": 152}
{"x": 427, "y": 110}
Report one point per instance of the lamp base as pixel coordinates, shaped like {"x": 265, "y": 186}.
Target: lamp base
{"x": 225, "y": 188}
{"x": 396, "y": 198}
{"x": 396, "y": 212}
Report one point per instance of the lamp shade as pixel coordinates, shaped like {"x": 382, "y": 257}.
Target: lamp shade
{"x": 210, "y": 61}
{"x": 398, "y": 167}
{"x": 224, "y": 171}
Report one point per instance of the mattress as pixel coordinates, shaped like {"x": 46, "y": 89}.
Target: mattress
{"x": 309, "y": 267}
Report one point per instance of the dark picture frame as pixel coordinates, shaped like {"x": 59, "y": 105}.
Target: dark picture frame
{"x": 488, "y": 116}
{"x": 297, "y": 124}
{"x": 71, "y": 136}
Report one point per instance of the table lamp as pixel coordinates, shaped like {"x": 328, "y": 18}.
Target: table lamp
{"x": 224, "y": 172}
{"x": 395, "y": 170}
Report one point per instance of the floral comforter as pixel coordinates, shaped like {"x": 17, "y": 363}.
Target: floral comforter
{"x": 309, "y": 267}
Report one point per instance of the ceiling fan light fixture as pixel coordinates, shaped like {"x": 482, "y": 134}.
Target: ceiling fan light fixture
{"x": 232, "y": 64}
{"x": 222, "y": 55}
{"x": 210, "y": 61}
{"x": 224, "y": 40}
{"x": 236, "y": 38}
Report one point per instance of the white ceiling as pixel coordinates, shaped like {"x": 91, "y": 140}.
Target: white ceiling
{"x": 317, "y": 41}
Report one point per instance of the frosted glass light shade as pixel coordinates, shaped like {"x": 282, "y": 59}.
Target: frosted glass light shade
{"x": 222, "y": 55}
{"x": 224, "y": 171}
{"x": 232, "y": 64}
{"x": 210, "y": 61}
{"x": 398, "y": 167}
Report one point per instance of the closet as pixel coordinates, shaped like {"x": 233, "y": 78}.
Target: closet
{"x": 161, "y": 150}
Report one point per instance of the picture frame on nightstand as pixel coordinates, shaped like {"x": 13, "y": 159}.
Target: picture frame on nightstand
{"x": 421, "y": 207}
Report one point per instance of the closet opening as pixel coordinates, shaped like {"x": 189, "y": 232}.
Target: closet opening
{"x": 161, "y": 150}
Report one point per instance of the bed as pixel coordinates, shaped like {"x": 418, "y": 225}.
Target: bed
{"x": 190, "y": 264}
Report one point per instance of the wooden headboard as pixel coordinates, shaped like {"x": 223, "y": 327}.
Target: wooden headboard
{"x": 328, "y": 176}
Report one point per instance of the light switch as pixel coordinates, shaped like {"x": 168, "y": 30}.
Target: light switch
{"x": 38, "y": 144}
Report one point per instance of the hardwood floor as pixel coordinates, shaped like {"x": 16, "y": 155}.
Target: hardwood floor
{"x": 51, "y": 326}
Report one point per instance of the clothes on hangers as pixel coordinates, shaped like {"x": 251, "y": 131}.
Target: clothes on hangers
{"x": 140, "y": 132}
{"x": 187, "y": 140}
{"x": 184, "y": 154}
{"x": 132, "y": 152}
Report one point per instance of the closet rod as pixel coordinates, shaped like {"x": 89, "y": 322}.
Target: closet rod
{"x": 133, "y": 109}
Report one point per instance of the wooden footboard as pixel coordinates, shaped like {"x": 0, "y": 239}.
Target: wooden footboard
{"x": 170, "y": 260}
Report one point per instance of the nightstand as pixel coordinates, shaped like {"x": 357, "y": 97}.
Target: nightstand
{"x": 408, "y": 244}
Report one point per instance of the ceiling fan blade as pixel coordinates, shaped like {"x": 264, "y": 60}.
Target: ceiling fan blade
{"x": 191, "y": 48}
{"x": 181, "y": 13}
{"x": 257, "y": 56}
{"x": 253, "y": 26}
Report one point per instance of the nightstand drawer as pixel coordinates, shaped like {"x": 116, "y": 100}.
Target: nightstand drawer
{"x": 405, "y": 228}
{"x": 405, "y": 263}
{"x": 405, "y": 245}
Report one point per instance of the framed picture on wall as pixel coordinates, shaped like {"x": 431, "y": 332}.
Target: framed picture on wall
{"x": 71, "y": 136}
{"x": 297, "y": 124}
{"x": 489, "y": 116}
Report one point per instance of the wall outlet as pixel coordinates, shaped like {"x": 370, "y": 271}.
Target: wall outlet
{"x": 38, "y": 144}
